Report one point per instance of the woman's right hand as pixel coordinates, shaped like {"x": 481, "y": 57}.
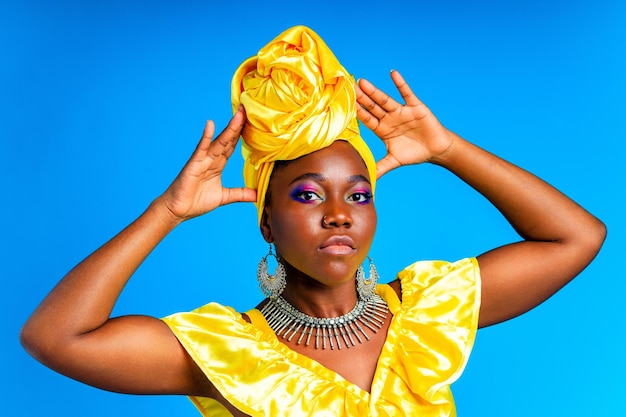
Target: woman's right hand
{"x": 198, "y": 187}
{"x": 71, "y": 331}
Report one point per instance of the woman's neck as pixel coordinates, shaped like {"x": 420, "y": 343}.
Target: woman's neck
{"x": 318, "y": 300}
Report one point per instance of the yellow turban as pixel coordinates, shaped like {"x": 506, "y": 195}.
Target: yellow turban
{"x": 298, "y": 99}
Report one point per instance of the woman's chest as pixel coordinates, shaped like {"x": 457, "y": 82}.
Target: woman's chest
{"x": 356, "y": 363}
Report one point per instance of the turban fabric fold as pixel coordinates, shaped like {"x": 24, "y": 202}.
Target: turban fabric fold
{"x": 298, "y": 99}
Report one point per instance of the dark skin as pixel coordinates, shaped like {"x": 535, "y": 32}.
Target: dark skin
{"x": 72, "y": 331}
{"x": 324, "y": 195}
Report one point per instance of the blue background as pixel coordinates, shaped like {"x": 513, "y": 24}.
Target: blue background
{"x": 101, "y": 104}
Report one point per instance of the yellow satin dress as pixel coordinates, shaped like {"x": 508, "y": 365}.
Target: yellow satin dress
{"x": 428, "y": 344}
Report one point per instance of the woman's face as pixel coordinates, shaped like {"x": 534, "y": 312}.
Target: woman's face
{"x": 320, "y": 214}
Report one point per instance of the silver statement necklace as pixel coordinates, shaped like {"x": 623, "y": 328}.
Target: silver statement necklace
{"x": 287, "y": 322}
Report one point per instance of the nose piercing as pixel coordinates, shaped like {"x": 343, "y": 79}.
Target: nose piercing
{"x": 324, "y": 222}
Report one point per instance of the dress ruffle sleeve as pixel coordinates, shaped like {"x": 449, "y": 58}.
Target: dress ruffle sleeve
{"x": 431, "y": 337}
{"x": 258, "y": 374}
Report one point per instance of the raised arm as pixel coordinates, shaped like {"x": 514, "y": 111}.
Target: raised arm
{"x": 560, "y": 237}
{"x": 71, "y": 331}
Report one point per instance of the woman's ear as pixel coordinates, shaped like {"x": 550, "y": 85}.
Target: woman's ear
{"x": 265, "y": 225}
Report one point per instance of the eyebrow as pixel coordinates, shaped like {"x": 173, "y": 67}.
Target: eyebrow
{"x": 322, "y": 178}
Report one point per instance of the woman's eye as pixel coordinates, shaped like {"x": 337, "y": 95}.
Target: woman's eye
{"x": 363, "y": 197}
{"x": 308, "y": 195}
{"x": 305, "y": 195}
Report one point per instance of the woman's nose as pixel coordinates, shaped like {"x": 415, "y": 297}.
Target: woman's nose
{"x": 338, "y": 215}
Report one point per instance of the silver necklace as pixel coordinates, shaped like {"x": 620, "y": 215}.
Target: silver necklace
{"x": 287, "y": 322}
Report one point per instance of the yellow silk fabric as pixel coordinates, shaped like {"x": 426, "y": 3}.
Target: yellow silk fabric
{"x": 298, "y": 99}
{"x": 427, "y": 346}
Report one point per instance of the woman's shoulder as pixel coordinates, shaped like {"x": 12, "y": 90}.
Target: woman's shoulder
{"x": 425, "y": 273}
{"x": 426, "y": 279}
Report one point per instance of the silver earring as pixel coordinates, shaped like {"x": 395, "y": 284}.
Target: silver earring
{"x": 366, "y": 286}
{"x": 271, "y": 285}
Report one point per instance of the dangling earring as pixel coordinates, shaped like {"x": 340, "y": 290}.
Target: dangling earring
{"x": 366, "y": 286}
{"x": 271, "y": 285}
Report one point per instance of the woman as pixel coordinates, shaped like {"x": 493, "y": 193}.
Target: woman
{"x": 395, "y": 348}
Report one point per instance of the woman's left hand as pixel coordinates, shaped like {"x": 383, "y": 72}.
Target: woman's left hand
{"x": 411, "y": 132}
{"x": 560, "y": 237}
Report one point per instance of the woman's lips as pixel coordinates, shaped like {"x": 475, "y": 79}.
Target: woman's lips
{"x": 338, "y": 245}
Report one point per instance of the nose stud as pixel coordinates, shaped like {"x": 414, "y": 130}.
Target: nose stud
{"x": 324, "y": 222}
